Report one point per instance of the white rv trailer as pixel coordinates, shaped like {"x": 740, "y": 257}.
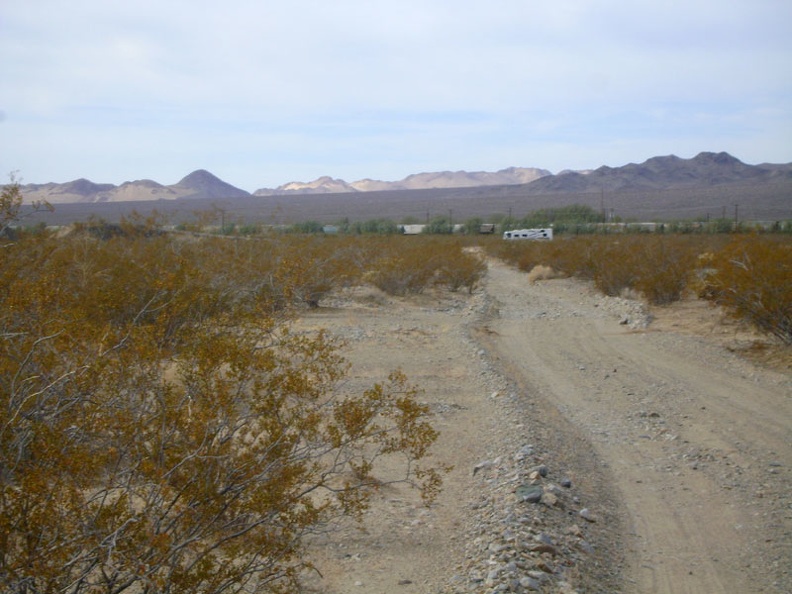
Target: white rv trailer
{"x": 539, "y": 234}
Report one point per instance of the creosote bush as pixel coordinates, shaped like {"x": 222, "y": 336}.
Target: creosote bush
{"x": 162, "y": 428}
{"x": 747, "y": 274}
{"x": 658, "y": 266}
{"x": 12, "y": 207}
{"x": 752, "y": 278}
{"x": 403, "y": 265}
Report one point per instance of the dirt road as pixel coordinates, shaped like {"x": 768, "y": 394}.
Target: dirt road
{"x": 696, "y": 443}
{"x": 673, "y": 454}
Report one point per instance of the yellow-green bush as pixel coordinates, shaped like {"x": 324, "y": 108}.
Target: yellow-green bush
{"x": 525, "y": 255}
{"x": 657, "y": 266}
{"x": 461, "y": 269}
{"x": 752, "y": 278}
{"x": 664, "y": 268}
{"x": 748, "y": 274}
{"x": 401, "y": 265}
{"x": 158, "y": 419}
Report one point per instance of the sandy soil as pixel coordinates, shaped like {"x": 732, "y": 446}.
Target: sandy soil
{"x": 677, "y": 444}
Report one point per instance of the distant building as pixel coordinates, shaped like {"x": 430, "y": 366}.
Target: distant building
{"x": 412, "y": 229}
{"x": 487, "y": 228}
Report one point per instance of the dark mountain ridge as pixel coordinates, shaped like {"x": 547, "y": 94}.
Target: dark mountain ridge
{"x": 202, "y": 184}
{"x": 662, "y": 173}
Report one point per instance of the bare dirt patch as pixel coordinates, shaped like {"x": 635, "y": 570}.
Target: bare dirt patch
{"x": 666, "y": 454}
{"x": 699, "y": 318}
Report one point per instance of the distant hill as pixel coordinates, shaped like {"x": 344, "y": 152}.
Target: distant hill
{"x": 199, "y": 184}
{"x": 417, "y": 181}
{"x": 321, "y": 185}
{"x": 202, "y": 184}
{"x": 79, "y": 190}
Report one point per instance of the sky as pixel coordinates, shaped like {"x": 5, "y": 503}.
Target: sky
{"x": 265, "y": 92}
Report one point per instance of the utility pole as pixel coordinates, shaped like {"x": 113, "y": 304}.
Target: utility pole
{"x": 222, "y": 219}
{"x": 602, "y": 203}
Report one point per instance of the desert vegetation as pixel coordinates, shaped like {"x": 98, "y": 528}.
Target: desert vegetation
{"x": 575, "y": 219}
{"x": 746, "y": 273}
{"x": 163, "y": 428}
{"x": 13, "y": 209}
{"x": 750, "y": 276}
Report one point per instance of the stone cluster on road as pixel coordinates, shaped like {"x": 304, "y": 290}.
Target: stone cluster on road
{"x": 529, "y": 527}
{"x": 529, "y": 531}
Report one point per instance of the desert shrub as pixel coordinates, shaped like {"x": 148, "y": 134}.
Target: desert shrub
{"x": 528, "y": 255}
{"x": 162, "y": 429}
{"x": 751, "y": 278}
{"x": 12, "y": 208}
{"x": 396, "y": 276}
{"x": 249, "y": 229}
{"x": 659, "y": 266}
{"x": 561, "y": 217}
{"x": 665, "y": 265}
{"x": 748, "y": 274}
{"x": 522, "y": 254}
{"x": 10, "y": 204}
{"x": 404, "y": 265}
{"x": 498, "y": 248}
{"x": 567, "y": 256}
{"x": 459, "y": 268}
{"x": 306, "y": 227}
{"x": 610, "y": 264}
{"x": 472, "y": 225}
{"x": 372, "y": 226}
{"x": 439, "y": 226}
{"x": 396, "y": 264}
{"x": 309, "y": 267}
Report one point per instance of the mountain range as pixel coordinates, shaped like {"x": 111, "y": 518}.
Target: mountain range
{"x": 417, "y": 181}
{"x": 197, "y": 185}
{"x": 706, "y": 169}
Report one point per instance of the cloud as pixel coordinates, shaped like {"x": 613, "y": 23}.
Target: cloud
{"x": 274, "y": 90}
